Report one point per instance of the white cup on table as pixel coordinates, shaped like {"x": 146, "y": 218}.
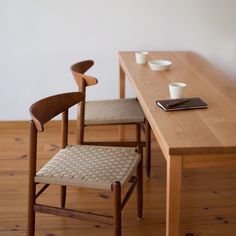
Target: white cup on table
{"x": 141, "y": 57}
{"x": 177, "y": 90}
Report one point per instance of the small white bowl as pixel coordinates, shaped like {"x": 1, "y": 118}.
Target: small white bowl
{"x": 159, "y": 64}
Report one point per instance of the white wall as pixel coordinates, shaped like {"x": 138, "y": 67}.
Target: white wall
{"x": 40, "y": 39}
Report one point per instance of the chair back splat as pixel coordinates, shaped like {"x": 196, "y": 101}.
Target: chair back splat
{"x": 46, "y": 109}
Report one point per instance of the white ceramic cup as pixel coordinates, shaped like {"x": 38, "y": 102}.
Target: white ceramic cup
{"x": 141, "y": 57}
{"x": 177, "y": 90}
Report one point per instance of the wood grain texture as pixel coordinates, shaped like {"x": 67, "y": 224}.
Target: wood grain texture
{"x": 122, "y": 95}
{"x": 122, "y": 83}
{"x": 173, "y": 193}
{"x": 211, "y": 130}
{"x": 203, "y": 161}
{"x": 208, "y": 195}
{"x": 193, "y": 138}
{"x": 78, "y": 70}
{"x": 47, "y": 108}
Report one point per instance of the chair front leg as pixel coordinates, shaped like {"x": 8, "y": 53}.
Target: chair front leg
{"x": 116, "y": 188}
{"x": 63, "y": 196}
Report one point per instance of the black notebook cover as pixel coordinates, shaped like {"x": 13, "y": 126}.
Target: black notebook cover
{"x": 191, "y": 103}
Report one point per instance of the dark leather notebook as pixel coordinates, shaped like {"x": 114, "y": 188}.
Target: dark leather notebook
{"x": 181, "y": 104}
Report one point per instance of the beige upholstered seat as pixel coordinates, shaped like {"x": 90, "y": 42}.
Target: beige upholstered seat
{"x": 90, "y": 166}
{"x": 118, "y": 111}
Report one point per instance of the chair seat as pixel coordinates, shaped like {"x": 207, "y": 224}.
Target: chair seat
{"x": 89, "y": 166}
{"x": 118, "y": 111}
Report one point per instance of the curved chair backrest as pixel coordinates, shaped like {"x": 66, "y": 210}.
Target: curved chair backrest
{"x": 78, "y": 71}
{"x": 44, "y": 110}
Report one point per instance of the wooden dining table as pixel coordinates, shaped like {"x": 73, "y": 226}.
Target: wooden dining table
{"x": 191, "y": 138}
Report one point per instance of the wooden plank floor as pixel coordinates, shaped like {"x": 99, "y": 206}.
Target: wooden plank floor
{"x": 208, "y": 197}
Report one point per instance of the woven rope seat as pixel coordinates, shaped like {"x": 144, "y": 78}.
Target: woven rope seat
{"x": 116, "y": 111}
{"x": 89, "y": 166}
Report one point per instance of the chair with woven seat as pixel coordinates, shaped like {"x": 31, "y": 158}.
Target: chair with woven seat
{"x": 110, "y": 112}
{"x": 84, "y": 166}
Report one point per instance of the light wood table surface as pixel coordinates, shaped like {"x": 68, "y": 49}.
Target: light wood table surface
{"x": 192, "y": 138}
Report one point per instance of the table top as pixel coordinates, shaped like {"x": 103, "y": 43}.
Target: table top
{"x": 200, "y": 131}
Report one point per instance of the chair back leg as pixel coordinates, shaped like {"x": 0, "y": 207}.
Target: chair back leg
{"x": 138, "y": 133}
{"x": 80, "y": 125}
{"x": 31, "y": 212}
{"x": 32, "y": 185}
{"x": 63, "y": 196}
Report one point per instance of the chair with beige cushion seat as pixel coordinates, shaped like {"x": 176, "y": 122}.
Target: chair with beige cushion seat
{"x": 84, "y": 166}
{"x": 107, "y": 112}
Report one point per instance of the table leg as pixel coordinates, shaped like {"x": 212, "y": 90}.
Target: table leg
{"x": 174, "y": 177}
{"x": 122, "y": 95}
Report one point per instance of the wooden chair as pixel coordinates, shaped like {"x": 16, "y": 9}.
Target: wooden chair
{"x": 107, "y": 112}
{"x": 85, "y": 166}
